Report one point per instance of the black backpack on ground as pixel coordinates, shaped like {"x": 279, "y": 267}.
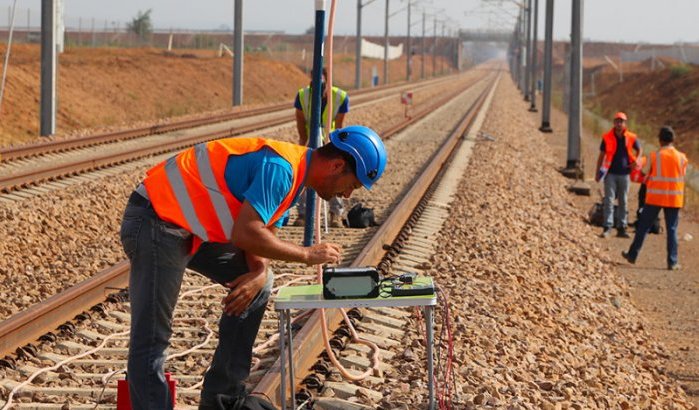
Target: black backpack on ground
{"x": 595, "y": 216}
{"x": 360, "y": 217}
{"x": 249, "y": 402}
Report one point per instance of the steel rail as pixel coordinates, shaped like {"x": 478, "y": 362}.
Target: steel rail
{"x": 16, "y": 181}
{"x": 42, "y": 148}
{"x": 25, "y": 327}
{"x": 308, "y": 342}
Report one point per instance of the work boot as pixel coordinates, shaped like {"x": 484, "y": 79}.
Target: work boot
{"x": 676, "y": 266}
{"x": 300, "y": 221}
{"x": 335, "y": 220}
{"x": 606, "y": 233}
{"x": 628, "y": 257}
{"x": 621, "y": 233}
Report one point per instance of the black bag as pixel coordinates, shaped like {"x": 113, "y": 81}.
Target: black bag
{"x": 654, "y": 227}
{"x": 595, "y": 216}
{"x": 249, "y": 402}
{"x": 360, "y": 217}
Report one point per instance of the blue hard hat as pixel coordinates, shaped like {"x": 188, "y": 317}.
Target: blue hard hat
{"x": 367, "y": 149}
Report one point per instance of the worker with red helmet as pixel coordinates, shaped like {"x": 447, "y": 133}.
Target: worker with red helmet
{"x": 619, "y": 151}
{"x": 215, "y": 208}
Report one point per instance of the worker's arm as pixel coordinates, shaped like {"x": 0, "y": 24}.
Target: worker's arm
{"x": 639, "y": 152}
{"x": 599, "y": 164}
{"x": 251, "y": 235}
{"x": 339, "y": 120}
{"x": 301, "y": 127}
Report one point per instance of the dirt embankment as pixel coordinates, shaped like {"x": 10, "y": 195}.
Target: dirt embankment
{"x": 102, "y": 87}
{"x": 666, "y": 96}
{"x": 108, "y": 87}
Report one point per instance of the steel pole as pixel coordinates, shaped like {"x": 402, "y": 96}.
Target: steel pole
{"x": 548, "y": 61}
{"x": 316, "y": 98}
{"x": 422, "y": 63}
{"x": 408, "y": 61}
{"x": 573, "y": 164}
{"x": 385, "y": 48}
{"x": 358, "y": 49}
{"x": 434, "y": 48}
{"x": 238, "y": 54}
{"x": 535, "y": 56}
{"x": 48, "y": 68}
{"x": 528, "y": 41}
{"x": 522, "y": 36}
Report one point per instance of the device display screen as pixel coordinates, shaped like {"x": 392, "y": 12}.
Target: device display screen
{"x": 352, "y": 286}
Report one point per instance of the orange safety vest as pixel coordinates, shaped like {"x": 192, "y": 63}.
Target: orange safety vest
{"x": 637, "y": 174}
{"x": 190, "y": 191}
{"x": 665, "y": 184}
{"x": 610, "y": 148}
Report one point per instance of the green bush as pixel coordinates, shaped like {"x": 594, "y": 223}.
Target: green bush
{"x": 680, "y": 70}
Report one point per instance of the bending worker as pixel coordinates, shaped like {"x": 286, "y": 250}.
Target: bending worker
{"x": 618, "y": 152}
{"x": 664, "y": 190}
{"x": 215, "y": 208}
{"x": 340, "y": 106}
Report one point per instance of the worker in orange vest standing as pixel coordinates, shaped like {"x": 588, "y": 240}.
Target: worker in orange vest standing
{"x": 665, "y": 190}
{"x": 618, "y": 152}
{"x": 215, "y": 208}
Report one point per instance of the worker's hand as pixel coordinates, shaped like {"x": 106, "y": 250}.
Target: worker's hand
{"x": 637, "y": 164}
{"x": 244, "y": 288}
{"x": 323, "y": 253}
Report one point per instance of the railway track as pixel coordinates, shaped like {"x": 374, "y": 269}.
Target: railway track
{"x": 20, "y": 179}
{"x": 9, "y": 154}
{"x": 86, "y": 382}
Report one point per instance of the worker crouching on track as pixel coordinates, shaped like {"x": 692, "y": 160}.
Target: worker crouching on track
{"x": 215, "y": 208}
{"x": 664, "y": 190}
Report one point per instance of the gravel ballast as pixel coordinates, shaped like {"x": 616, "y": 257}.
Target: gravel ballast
{"x": 541, "y": 319}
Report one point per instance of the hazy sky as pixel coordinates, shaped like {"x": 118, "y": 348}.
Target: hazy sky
{"x": 665, "y": 21}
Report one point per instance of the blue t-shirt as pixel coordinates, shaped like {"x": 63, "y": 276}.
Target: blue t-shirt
{"x": 620, "y": 162}
{"x": 344, "y": 107}
{"x": 263, "y": 178}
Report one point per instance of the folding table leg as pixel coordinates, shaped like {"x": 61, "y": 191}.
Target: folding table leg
{"x": 291, "y": 361}
{"x": 282, "y": 365}
{"x": 429, "y": 331}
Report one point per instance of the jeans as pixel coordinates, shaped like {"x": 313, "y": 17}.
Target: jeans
{"x": 648, "y": 215}
{"x": 159, "y": 253}
{"x": 615, "y": 186}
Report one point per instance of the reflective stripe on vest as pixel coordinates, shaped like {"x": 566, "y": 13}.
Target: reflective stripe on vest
{"x": 610, "y": 148}
{"x": 666, "y": 179}
{"x": 176, "y": 181}
{"x": 338, "y": 97}
{"x": 190, "y": 189}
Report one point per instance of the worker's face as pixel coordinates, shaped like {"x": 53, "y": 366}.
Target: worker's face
{"x": 339, "y": 182}
{"x": 619, "y": 124}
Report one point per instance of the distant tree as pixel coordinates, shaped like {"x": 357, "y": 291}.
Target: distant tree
{"x": 311, "y": 30}
{"x": 141, "y": 24}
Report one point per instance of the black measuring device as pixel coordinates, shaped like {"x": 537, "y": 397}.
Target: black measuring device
{"x": 366, "y": 282}
{"x": 411, "y": 284}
